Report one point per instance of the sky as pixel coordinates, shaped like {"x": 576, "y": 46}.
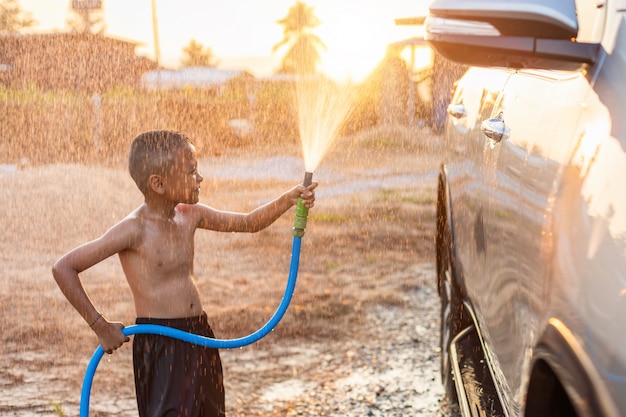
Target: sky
{"x": 241, "y": 33}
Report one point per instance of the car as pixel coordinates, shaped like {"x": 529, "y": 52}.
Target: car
{"x": 531, "y": 208}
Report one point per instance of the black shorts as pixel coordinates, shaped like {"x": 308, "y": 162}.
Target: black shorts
{"x": 176, "y": 378}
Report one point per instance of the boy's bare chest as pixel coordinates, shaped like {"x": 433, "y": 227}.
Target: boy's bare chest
{"x": 168, "y": 246}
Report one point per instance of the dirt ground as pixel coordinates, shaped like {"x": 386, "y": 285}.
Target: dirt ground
{"x": 369, "y": 235}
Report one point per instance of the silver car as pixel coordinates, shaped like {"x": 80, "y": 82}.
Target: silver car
{"x": 531, "y": 233}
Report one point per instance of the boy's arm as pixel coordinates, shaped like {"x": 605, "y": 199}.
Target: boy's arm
{"x": 67, "y": 268}
{"x": 259, "y": 218}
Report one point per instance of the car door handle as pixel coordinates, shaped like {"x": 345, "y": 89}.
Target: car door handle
{"x": 457, "y": 110}
{"x": 495, "y": 129}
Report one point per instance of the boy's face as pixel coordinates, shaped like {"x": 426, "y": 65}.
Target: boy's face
{"x": 182, "y": 180}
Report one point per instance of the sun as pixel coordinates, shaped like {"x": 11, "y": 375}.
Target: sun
{"x": 355, "y": 43}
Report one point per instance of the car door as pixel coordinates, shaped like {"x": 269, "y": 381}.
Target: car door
{"x": 539, "y": 112}
{"x": 474, "y": 98}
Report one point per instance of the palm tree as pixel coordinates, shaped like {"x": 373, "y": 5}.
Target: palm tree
{"x": 303, "y": 54}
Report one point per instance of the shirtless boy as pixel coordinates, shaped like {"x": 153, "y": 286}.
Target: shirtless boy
{"x": 155, "y": 245}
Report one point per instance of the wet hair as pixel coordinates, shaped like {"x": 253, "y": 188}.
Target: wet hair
{"x": 152, "y": 152}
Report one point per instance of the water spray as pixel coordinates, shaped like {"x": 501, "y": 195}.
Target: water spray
{"x": 299, "y": 224}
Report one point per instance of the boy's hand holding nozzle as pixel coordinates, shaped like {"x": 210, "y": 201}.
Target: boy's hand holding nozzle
{"x": 302, "y": 211}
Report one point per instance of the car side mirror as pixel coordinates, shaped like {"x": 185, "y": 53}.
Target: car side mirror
{"x": 538, "y": 34}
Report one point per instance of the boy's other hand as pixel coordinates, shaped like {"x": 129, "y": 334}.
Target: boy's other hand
{"x": 110, "y": 335}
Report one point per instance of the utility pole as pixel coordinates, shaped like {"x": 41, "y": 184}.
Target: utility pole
{"x": 157, "y": 47}
{"x": 155, "y": 35}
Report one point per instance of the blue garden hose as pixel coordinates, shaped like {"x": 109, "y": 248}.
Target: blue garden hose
{"x": 298, "y": 232}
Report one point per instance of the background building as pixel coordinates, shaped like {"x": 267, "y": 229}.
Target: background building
{"x": 72, "y": 61}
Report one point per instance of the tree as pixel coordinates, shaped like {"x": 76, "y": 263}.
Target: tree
{"x": 12, "y": 18}
{"x": 86, "y": 21}
{"x": 303, "y": 54}
{"x": 196, "y": 55}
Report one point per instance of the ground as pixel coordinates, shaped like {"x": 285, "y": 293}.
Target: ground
{"x": 360, "y": 336}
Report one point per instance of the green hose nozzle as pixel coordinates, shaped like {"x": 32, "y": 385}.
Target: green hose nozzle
{"x": 302, "y": 212}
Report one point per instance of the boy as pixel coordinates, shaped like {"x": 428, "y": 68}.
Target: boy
{"x": 155, "y": 245}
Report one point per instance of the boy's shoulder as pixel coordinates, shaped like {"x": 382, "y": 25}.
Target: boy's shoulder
{"x": 191, "y": 213}
{"x": 195, "y": 214}
{"x": 132, "y": 224}
{"x": 187, "y": 209}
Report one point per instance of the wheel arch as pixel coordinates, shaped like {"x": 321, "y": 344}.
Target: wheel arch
{"x": 561, "y": 366}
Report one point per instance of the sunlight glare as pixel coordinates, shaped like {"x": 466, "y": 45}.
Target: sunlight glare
{"x": 355, "y": 42}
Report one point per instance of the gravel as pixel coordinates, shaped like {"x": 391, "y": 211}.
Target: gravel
{"x": 393, "y": 370}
